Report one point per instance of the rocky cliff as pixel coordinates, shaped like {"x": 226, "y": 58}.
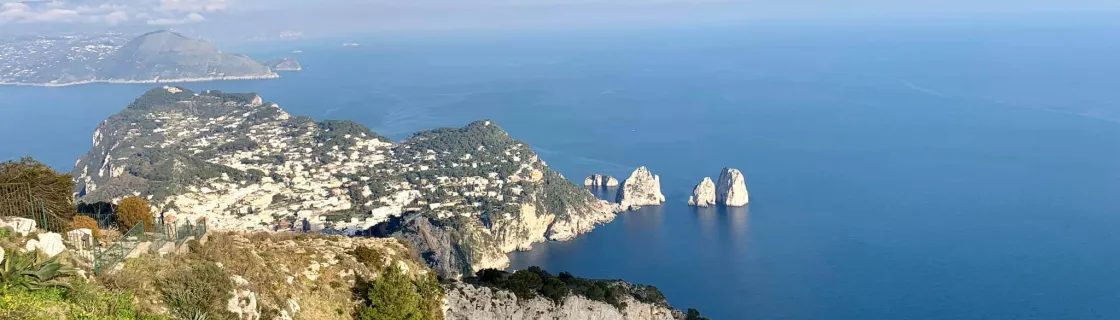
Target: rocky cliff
{"x": 471, "y": 302}
{"x": 600, "y": 180}
{"x": 732, "y": 189}
{"x": 704, "y": 194}
{"x": 642, "y": 188}
{"x": 463, "y": 196}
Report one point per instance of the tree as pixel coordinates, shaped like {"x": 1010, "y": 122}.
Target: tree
{"x": 133, "y": 210}
{"x": 54, "y": 189}
{"x": 84, "y": 222}
{"x": 394, "y": 296}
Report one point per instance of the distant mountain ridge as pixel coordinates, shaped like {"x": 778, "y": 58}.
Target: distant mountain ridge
{"x": 154, "y": 57}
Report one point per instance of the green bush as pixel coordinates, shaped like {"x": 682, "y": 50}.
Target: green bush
{"x": 394, "y": 296}
{"x": 197, "y": 289}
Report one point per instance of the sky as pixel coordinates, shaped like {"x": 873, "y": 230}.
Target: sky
{"x": 322, "y": 17}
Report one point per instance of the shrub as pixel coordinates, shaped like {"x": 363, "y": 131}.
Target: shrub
{"x": 198, "y": 289}
{"x": 133, "y": 210}
{"x": 84, "y": 222}
{"x": 25, "y": 270}
{"x": 394, "y": 296}
{"x": 370, "y": 257}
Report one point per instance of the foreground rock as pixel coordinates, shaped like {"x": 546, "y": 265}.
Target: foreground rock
{"x": 463, "y": 301}
{"x": 464, "y": 196}
{"x": 704, "y": 194}
{"x": 641, "y": 189}
{"x": 732, "y": 188}
{"x": 600, "y": 180}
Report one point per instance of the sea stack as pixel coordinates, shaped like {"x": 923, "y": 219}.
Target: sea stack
{"x": 641, "y": 189}
{"x": 731, "y": 190}
{"x": 600, "y": 180}
{"x": 704, "y": 195}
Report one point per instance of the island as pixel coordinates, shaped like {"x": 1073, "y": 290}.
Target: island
{"x": 464, "y": 197}
{"x": 642, "y": 188}
{"x": 600, "y": 181}
{"x": 284, "y": 64}
{"x": 731, "y": 191}
{"x": 154, "y": 57}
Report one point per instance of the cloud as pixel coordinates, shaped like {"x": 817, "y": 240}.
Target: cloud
{"x": 192, "y": 17}
{"x": 192, "y": 6}
{"x": 109, "y": 12}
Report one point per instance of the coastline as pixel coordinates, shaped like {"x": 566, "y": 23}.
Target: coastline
{"x": 154, "y": 81}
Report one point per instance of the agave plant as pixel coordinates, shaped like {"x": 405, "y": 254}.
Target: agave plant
{"x": 28, "y": 271}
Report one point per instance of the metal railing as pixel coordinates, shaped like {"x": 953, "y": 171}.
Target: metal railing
{"x": 116, "y": 252}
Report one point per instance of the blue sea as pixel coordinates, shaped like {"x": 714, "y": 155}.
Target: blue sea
{"x": 905, "y": 172}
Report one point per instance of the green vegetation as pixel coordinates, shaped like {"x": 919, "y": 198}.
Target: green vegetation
{"x": 198, "y": 290}
{"x": 82, "y": 301}
{"x": 535, "y": 281}
{"x": 394, "y": 296}
{"x": 133, "y": 210}
{"x": 29, "y": 272}
{"x": 29, "y": 181}
{"x": 694, "y": 314}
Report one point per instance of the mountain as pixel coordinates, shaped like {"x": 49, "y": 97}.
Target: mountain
{"x": 169, "y": 56}
{"x": 464, "y": 197}
{"x": 159, "y": 56}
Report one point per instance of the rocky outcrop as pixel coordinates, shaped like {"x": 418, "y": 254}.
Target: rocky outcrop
{"x": 464, "y": 301}
{"x": 284, "y": 64}
{"x": 600, "y": 180}
{"x": 641, "y": 189}
{"x": 704, "y": 194}
{"x": 731, "y": 190}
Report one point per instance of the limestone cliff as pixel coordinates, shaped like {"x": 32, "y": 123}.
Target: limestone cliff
{"x": 732, "y": 189}
{"x": 641, "y": 189}
{"x": 600, "y": 180}
{"x": 464, "y": 196}
{"x": 464, "y": 301}
{"x": 704, "y": 194}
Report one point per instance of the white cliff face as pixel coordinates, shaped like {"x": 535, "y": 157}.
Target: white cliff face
{"x": 704, "y": 195}
{"x": 600, "y": 180}
{"x": 641, "y": 189}
{"x": 469, "y": 302}
{"x": 731, "y": 190}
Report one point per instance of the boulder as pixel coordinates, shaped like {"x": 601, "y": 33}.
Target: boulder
{"x": 23, "y": 226}
{"x": 49, "y": 243}
{"x": 704, "y": 194}
{"x": 643, "y": 188}
{"x": 731, "y": 190}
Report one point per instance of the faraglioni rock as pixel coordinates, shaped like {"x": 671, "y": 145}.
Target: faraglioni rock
{"x": 704, "y": 195}
{"x": 731, "y": 190}
{"x": 600, "y": 180}
{"x": 641, "y": 189}
{"x": 464, "y": 197}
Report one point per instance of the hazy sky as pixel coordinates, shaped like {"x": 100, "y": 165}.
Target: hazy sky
{"x": 335, "y": 16}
